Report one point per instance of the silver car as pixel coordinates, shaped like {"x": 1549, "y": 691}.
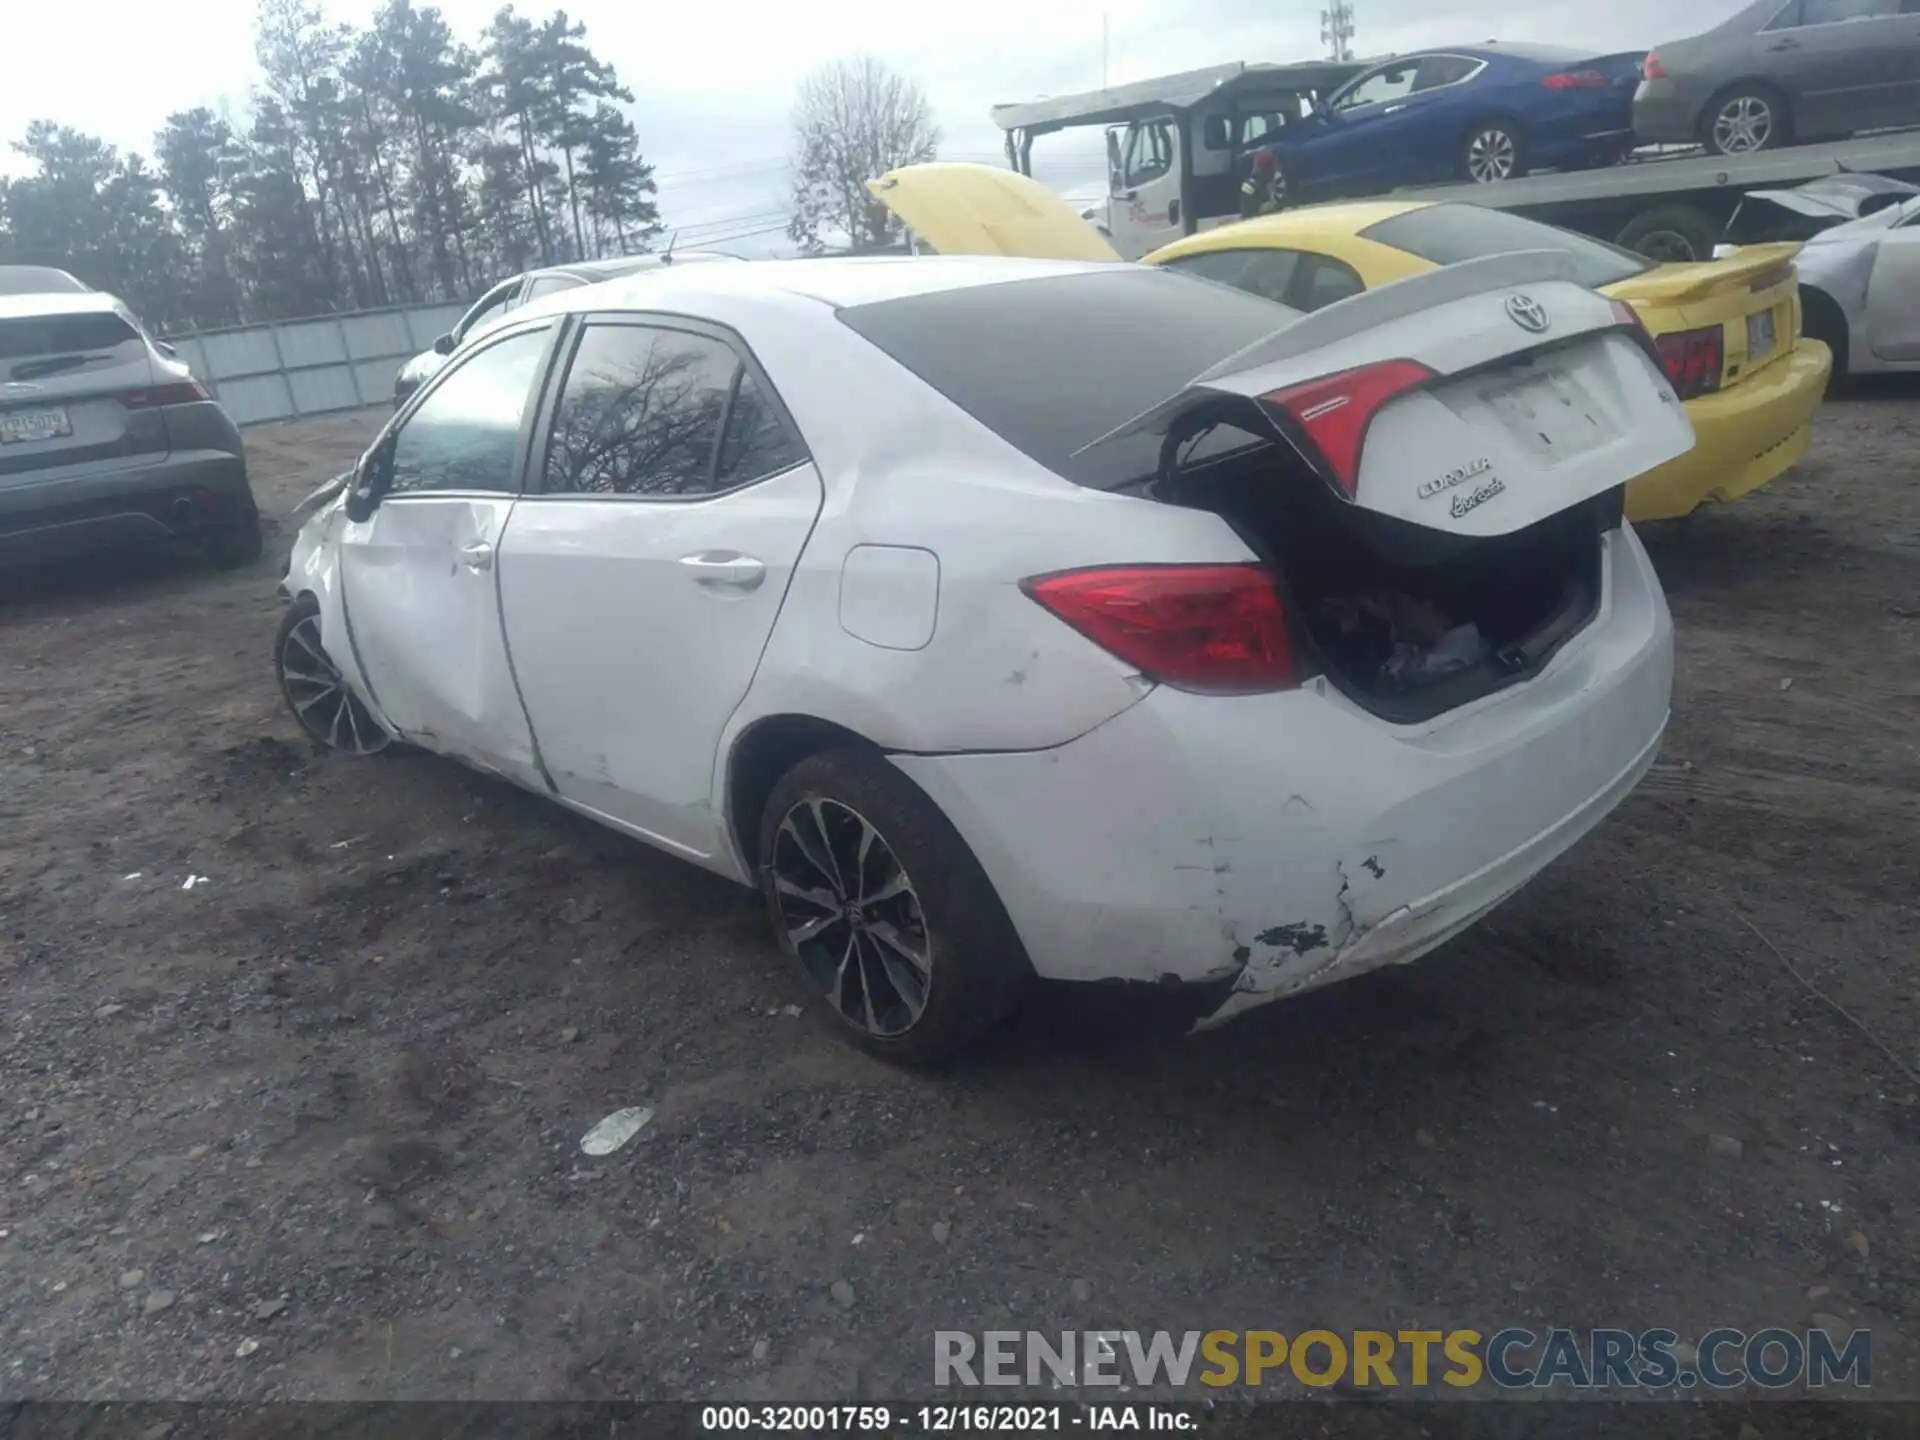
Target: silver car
{"x": 1785, "y": 72}
{"x": 38, "y": 280}
{"x": 107, "y": 440}
{"x": 523, "y": 288}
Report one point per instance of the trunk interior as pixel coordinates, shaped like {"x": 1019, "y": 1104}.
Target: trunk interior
{"x": 1408, "y": 621}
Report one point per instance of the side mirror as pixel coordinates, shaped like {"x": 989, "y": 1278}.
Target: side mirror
{"x": 371, "y": 477}
{"x": 1321, "y": 109}
{"x": 443, "y": 345}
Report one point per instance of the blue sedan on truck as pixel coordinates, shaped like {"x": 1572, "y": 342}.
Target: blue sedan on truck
{"x": 1475, "y": 112}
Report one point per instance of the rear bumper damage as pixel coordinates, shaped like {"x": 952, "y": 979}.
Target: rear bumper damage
{"x": 1745, "y": 437}
{"x": 1232, "y": 852}
{"x": 69, "y": 514}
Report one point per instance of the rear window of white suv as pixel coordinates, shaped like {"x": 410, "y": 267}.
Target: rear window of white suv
{"x": 31, "y": 336}
{"x": 1052, "y": 364}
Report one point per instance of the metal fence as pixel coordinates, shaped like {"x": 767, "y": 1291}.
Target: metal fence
{"x": 311, "y": 367}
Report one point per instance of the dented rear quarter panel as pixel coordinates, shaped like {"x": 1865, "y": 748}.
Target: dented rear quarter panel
{"x": 1271, "y": 844}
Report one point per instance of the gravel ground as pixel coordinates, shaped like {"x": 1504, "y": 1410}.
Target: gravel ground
{"x": 310, "y": 1128}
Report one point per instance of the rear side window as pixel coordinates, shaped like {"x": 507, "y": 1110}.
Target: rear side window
{"x": 31, "y": 337}
{"x": 755, "y": 443}
{"x": 1052, "y": 364}
{"x": 1448, "y": 234}
{"x": 1323, "y": 281}
{"x": 656, "y": 413}
{"x": 548, "y": 285}
{"x": 1266, "y": 273}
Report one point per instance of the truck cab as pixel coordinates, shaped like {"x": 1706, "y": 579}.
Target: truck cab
{"x": 1176, "y": 146}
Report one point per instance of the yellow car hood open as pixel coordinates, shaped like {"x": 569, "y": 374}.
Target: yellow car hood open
{"x": 984, "y": 210}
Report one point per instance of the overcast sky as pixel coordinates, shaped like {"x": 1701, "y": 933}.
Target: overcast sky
{"x": 714, "y": 80}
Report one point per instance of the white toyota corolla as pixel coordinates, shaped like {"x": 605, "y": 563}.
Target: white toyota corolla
{"x": 1004, "y": 618}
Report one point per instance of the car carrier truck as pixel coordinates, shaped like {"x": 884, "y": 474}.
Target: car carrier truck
{"x": 1176, "y": 150}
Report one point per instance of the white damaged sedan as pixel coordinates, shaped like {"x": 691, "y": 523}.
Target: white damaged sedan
{"x": 1004, "y": 619}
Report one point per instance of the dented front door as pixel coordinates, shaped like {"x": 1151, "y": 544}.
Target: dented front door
{"x": 418, "y": 577}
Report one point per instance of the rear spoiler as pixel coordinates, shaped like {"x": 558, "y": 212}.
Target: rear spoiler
{"x": 1250, "y": 372}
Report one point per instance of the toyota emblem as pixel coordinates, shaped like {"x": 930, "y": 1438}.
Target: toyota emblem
{"x": 1528, "y": 313}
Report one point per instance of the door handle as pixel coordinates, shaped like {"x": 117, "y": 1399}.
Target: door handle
{"x": 477, "y": 556}
{"x": 1393, "y": 110}
{"x": 716, "y": 569}
{"x": 1784, "y": 45}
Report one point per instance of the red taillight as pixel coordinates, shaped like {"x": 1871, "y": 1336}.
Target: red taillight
{"x": 183, "y": 393}
{"x": 1693, "y": 359}
{"x": 1336, "y": 410}
{"x": 1576, "y": 80}
{"x": 1652, "y": 69}
{"x": 1215, "y": 629}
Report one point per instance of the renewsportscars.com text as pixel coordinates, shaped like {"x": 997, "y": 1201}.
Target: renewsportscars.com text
{"x": 1509, "y": 1359}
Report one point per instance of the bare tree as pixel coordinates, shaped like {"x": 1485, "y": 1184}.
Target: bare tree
{"x": 854, "y": 120}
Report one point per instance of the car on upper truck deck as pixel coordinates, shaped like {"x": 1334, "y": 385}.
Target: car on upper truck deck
{"x": 1728, "y": 332}
{"x": 1782, "y": 72}
{"x": 1026, "y": 618}
{"x": 1178, "y": 148}
{"x": 1481, "y": 113}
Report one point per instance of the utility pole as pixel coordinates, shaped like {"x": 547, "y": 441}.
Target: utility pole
{"x": 1336, "y": 28}
{"x": 1105, "y": 49}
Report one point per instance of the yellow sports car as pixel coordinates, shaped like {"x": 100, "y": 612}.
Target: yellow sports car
{"x": 1729, "y": 330}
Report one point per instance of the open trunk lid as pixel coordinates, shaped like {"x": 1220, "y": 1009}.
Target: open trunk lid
{"x": 1474, "y": 401}
{"x": 77, "y": 385}
{"x": 962, "y": 209}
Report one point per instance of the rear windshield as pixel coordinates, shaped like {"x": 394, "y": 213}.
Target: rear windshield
{"x": 32, "y": 336}
{"x": 37, "y": 280}
{"x": 1054, "y": 363}
{"x": 1448, "y": 234}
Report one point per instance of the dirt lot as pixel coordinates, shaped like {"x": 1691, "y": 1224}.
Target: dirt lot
{"x": 330, "y": 1100}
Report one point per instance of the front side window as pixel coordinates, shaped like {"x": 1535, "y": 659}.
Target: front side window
{"x": 1149, "y": 153}
{"x": 1266, "y": 273}
{"x": 465, "y": 435}
{"x": 641, "y": 414}
{"x": 1832, "y": 12}
{"x": 1394, "y": 82}
{"x": 490, "y": 306}
{"x": 549, "y": 285}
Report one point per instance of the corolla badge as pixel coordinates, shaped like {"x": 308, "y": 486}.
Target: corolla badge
{"x": 1528, "y": 313}
{"x": 1440, "y": 484}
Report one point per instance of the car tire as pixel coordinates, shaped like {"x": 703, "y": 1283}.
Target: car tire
{"x": 1823, "y": 320}
{"x": 332, "y": 715}
{"x": 1671, "y": 234}
{"x": 1756, "y": 112}
{"x": 1491, "y": 151}
{"x": 950, "y": 967}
